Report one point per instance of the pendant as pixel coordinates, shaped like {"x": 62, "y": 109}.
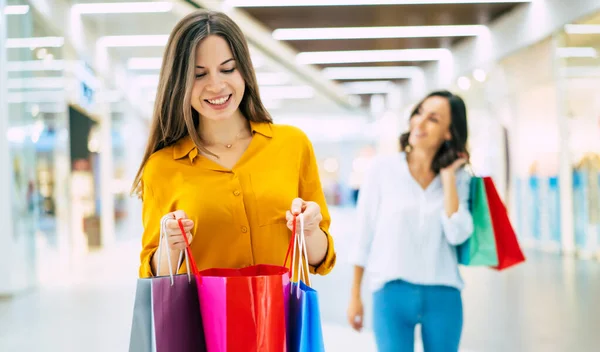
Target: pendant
{"x": 228, "y": 145}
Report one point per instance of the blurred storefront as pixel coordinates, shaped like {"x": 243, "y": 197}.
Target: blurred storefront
{"x": 36, "y": 126}
{"x": 58, "y": 159}
{"x": 535, "y": 127}
{"x": 578, "y": 71}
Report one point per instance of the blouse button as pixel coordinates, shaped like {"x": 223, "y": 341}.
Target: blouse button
{"x": 236, "y": 192}
{"x": 244, "y": 229}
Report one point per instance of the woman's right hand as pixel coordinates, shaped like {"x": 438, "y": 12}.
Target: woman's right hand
{"x": 356, "y": 313}
{"x": 174, "y": 235}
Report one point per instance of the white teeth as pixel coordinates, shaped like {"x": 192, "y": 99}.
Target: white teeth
{"x": 219, "y": 101}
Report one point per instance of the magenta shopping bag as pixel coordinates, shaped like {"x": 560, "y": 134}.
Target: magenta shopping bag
{"x": 243, "y": 310}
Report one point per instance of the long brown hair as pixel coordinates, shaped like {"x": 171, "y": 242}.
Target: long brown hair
{"x": 449, "y": 150}
{"x": 174, "y": 117}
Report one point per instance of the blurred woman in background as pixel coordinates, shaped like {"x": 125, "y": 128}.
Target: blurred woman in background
{"x": 412, "y": 213}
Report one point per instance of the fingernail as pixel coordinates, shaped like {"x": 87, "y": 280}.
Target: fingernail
{"x": 188, "y": 222}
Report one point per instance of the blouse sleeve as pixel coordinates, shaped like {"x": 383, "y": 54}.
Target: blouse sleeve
{"x": 459, "y": 226}
{"x": 310, "y": 189}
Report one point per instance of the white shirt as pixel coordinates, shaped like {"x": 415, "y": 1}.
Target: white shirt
{"x": 403, "y": 230}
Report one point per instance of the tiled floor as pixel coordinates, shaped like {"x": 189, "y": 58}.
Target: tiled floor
{"x": 549, "y": 304}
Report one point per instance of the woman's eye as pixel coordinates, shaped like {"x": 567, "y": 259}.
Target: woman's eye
{"x": 200, "y": 75}
{"x": 229, "y": 71}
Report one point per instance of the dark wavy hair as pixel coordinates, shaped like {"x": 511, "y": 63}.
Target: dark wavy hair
{"x": 449, "y": 150}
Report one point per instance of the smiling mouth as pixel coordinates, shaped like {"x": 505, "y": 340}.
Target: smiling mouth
{"x": 219, "y": 101}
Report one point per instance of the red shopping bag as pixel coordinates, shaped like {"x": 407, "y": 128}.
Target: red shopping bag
{"x": 243, "y": 309}
{"x": 507, "y": 245}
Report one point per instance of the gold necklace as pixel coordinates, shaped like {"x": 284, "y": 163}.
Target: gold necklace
{"x": 228, "y": 145}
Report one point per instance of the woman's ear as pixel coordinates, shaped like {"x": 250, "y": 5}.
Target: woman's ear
{"x": 448, "y": 137}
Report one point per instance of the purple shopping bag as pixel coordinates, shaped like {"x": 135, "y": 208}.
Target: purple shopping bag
{"x": 177, "y": 319}
{"x": 166, "y": 314}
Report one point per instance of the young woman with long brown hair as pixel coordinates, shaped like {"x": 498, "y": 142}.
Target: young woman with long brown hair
{"x": 215, "y": 159}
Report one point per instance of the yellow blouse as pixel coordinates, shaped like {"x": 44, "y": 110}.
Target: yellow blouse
{"x": 238, "y": 214}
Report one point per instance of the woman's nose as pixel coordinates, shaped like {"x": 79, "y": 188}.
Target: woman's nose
{"x": 215, "y": 84}
{"x": 418, "y": 122}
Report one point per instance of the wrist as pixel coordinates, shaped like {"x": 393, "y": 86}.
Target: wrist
{"x": 447, "y": 175}
{"x": 312, "y": 232}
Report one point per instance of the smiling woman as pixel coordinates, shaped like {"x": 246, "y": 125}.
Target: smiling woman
{"x": 219, "y": 87}
{"x": 412, "y": 213}
{"x": 211, "y": 144}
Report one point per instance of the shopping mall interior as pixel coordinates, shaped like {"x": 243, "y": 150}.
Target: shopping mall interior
{"x": 78, "y": 83}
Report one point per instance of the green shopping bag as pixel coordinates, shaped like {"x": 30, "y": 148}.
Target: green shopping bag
{"x": 480, "y": 248}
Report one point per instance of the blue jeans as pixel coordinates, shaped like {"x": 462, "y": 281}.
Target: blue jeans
{"x": 399, "y": 306}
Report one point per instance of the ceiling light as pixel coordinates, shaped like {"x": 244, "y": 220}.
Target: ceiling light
{"x": 123, "y": 7}
{"x": 272, "y": 78}
{"x": 35, "y": 65}
{"x": 287, "y": 92}
{"x": 51, "y": 96}
{"x": 353, "y": 73}
{"x": 285, "y": 3}
{"x": 334, "y": 57}
{"x": 16, "y": 9}
{"x": 155, "y": 63}
{"x": 41, "y": 53}
{"x": 378, "y": 32}
{"x": 144, "y": 63}
{"x": 147, "y": 80}
{"x": 39, "y": 42}
{"x": 369, "y": 87}
{"x": 36, "y": 83}
{"x": 583, "y": 52}
{"x": 479, "y": 75}
{"x": 464, "y": 83}
{"x": 133, "y": 40}
{"x": 272, "y": 104}
{"x": 582, "y": 28}
{"x": 581, "y": 71}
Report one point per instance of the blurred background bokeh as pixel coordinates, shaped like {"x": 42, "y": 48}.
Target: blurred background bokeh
{"x": 77, "y": 84}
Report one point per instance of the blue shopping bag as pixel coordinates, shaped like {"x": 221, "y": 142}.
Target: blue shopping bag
{"x": 304, "y": 330}
{"x": 304, "y": 326}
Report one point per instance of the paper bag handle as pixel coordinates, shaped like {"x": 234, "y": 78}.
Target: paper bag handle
{"x": 298, "y": 242}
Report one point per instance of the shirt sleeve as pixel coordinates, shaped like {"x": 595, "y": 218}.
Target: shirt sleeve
{"x": 366, "y": 217}
{"x": 310, "y": 189}
{"x": 459, "y": 226}
{"x": 151, "y": 215}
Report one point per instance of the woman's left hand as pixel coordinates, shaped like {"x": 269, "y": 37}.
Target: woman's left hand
{"x": 311, "y": 212}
